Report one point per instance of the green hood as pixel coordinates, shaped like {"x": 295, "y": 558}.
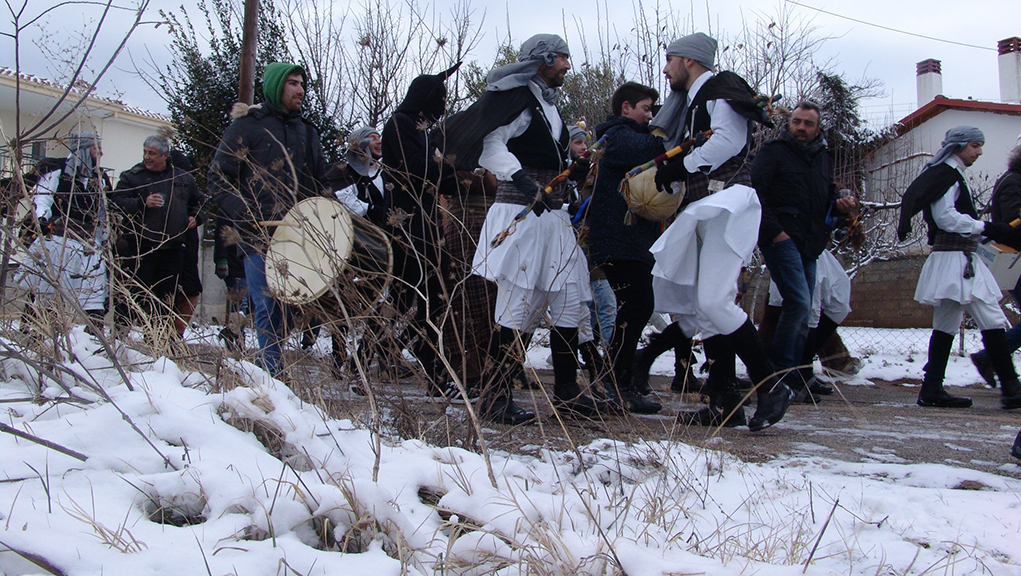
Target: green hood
{"x": 273, "y": 80}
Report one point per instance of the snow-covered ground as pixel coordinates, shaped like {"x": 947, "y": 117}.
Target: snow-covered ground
{"x": 168, "y": 478}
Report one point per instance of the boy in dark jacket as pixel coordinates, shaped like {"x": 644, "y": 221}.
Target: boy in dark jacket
{"x": 622, "y": 250}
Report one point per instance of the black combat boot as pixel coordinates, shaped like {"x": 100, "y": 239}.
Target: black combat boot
{"x": 567, "y": 396}
{"x": 774, "y": 397}
{"x": 932, "y": 393}
{"x": 999, "y": 356}
{"x": 724, "y": 395}
{"x": 816, "y": 336}
{"x": 595, "y": 365}
{"x": 496, "y": 401}
{"x": 684, "y": 380}
{"x": 644, "y": 357}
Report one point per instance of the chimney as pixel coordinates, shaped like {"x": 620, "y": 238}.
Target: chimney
{"x": 1010, "y": 69}
{"x": 928, "y": 80}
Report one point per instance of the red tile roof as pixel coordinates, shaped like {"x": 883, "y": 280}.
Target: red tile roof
{"x": 941, "y": 103}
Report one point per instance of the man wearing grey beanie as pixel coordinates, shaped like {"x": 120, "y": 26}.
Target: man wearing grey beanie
{"x": 700, "y": 256}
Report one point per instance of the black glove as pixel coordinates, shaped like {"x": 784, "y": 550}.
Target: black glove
{"x": 544, "y": 204}
{"x": 998, "y": 232}
{"x": 222, "y": 269}
{"x": 669, "y": 172}
{"x": 579, "y": 170}
{"x": 524, "y": 182}
{"x": 1014, "y": 239}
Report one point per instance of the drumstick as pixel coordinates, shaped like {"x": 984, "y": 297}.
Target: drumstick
{"x": 499, "y": 238}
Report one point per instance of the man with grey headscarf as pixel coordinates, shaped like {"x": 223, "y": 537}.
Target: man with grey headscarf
{"x": 71, "y": 201}
{"x": 515, "y": 132}
{"x": 358, "y": 181}
{"x": 700, "y": 256}
{"x": 953, "y": 280}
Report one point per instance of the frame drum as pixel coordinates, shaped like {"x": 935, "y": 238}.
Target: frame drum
{"x": 320, "y": 251}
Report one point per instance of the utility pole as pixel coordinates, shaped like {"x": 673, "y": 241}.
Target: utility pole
{"x": 249, "y": 41}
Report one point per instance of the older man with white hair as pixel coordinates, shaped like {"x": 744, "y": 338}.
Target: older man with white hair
{"x": 160, "y": 202}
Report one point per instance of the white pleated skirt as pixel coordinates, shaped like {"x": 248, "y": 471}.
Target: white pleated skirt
{"x": 942, "y": 278}
{"x": 542, "y": 253}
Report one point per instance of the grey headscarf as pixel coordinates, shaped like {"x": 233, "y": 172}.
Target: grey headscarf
{"x": 956, "y": 138}
{"x": 80, "y": 162}
{"x": 700, "y": 48}
{"x": 358, "y": 156}
{"x": 536, "y": 51}
{"x": 576, "y": 132}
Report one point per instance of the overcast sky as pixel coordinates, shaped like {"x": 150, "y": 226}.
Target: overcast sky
{"x": 856, "y": 48}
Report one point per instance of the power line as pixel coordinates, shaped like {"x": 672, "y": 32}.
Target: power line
{"x": 890, "y": 29}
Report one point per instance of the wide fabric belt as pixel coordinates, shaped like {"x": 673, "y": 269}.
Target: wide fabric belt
{"x": 508, "y": 193}
{"x": 953, "y": 242}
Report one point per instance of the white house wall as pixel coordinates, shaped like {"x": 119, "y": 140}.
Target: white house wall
{"x": 895, "y": 165}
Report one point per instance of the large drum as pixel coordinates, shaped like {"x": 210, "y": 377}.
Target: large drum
{"x": 320, "y": 253}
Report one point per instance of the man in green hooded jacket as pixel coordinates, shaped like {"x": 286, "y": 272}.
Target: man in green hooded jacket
{"x": 268, "y": 159}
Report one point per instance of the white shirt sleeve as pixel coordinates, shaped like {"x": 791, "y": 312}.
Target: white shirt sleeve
{"x": 44, "y": 191}
{"x": 349, "y": 198}
{"x": 495, "y": 156}
{"x": 730, "y": 134}
{"x": 949, "y": 219}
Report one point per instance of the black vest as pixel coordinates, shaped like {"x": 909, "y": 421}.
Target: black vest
{"x": 78, "y": 207}
{"x": 737, "y": 169}
{"x": 942, "y": 178}
{"x": 536, "y": 148}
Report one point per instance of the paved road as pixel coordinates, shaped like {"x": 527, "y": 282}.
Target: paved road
{"x": 877, "y": 423}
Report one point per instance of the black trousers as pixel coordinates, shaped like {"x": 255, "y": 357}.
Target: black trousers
{"x": 632, "y": 285}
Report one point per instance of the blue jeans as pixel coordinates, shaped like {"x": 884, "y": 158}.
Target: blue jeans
{"x": 268, "y": 315}
{"x": 795, "y": 278}
{"x": 603, "y": 308}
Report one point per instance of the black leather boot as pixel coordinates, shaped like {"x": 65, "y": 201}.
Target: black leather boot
{"x": 932, "y": 393}
{"x": 496, "y": 401}
{"x": 595, "y": 365}
{"x": 684, "y": 380}
{"x": 1015, "y": 450}
{"x": 725, "y": 397}
{"x": 567, "y": 396}
{"x": 670, "y": 337}
{"x": 774, "y": 397}
{"x": 816, "y": 336}
{"x": 999, "y": 356}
